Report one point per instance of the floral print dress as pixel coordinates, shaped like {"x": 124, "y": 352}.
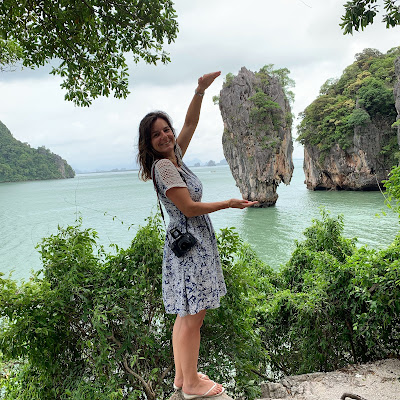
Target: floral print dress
{"x": 193, "y": 282}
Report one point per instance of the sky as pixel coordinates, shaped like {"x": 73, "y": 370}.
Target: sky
{"x": 303, "y": 36}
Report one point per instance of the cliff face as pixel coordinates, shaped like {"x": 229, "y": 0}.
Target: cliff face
{"x": 349, "y": 142}
{"x": 396, "y": 91}
{"x": 362, "y": 166}
{"x": 257, "y": 138}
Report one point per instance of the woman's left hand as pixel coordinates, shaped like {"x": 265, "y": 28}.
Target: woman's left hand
{"x": 207, "y": 79}
{"x": 240, "y": 203}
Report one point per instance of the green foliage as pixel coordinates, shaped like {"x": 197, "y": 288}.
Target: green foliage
{"x": 358, "y": 117}
{"x": 333, "y": 303}
{"x": 362, "y": 93}
{"x": 10, "y": 53}
{"x": 282, "y": 74}
{"x": 20, "y": 162}
{"x": 92, "y": 325}
{"x": 90, "y": 39}
{"x": 361, "y": 13}
{"x": 377, "y": 98}
{"x": 328, "y": 86}
{"x": 215, "y": 100}
{"x": 392, "y": 185}
{"x": 228, "y": 80}
{"x": 264, "y": 108}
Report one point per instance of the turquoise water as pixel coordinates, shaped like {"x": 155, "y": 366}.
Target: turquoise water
{"x": 33, "y": 210}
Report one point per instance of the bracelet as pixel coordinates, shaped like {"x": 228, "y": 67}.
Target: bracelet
{"x": 199, "y": 93}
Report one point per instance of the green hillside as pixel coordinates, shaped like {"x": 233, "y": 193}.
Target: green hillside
{"x": 20, "y": 162}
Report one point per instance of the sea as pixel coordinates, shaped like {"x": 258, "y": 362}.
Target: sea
{"x": 116, "y": 204}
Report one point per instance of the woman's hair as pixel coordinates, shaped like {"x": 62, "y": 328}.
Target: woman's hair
{"x": 146, "y": 154}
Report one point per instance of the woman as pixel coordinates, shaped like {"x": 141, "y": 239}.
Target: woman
{"x": 193, "y": 282}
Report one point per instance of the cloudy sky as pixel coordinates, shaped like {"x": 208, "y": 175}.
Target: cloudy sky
{"x": 303, "y": 36}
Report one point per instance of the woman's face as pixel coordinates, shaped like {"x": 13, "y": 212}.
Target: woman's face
{"x": 162, "y": 137}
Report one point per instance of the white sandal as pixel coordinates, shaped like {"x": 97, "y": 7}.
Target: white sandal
{"x": 201, "y": 376}
{"x": 195, "y": 396}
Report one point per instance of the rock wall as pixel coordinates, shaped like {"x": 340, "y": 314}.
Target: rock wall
{"x": 257, "y": 138}
{"x": 360, "y": 167}
{"x": 397, "y": 95}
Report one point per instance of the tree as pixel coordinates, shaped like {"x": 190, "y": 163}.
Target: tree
{"x": 361, "y": 13}
{"x": 89, "y": 39}
{"x": 10, "y": 53}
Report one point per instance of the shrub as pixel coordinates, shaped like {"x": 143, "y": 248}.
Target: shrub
{"x": 334, "y": 303}
{"x": 92, "y": 325}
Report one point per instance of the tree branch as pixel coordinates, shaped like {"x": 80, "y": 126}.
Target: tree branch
{"x": 165, "y": 373}
{"x": 262, "y": 375}
{"x": 149, "y": 392}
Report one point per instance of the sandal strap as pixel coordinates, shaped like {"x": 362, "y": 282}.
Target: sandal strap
{"x": 208, "y": 391}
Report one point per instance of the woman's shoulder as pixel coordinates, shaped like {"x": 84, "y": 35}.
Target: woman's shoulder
{"x": 164, "y": 168}
{"x": 163, "y": 163}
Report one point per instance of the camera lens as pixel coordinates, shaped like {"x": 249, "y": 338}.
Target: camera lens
{"x": 185, "y": 245}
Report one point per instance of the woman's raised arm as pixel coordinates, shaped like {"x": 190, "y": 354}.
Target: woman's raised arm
{"x": 193, "y": 112}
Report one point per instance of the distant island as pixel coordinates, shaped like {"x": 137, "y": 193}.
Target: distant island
{"x": 20, "y": 162}
{"x": 191, "y": 163}
{"x": 210, "y": 163}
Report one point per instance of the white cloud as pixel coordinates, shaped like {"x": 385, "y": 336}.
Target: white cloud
{"x": 303, "y": 36}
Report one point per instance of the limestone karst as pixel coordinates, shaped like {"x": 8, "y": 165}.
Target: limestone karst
{"x": 349, "y": 142}
{"x": 257, "y": 138}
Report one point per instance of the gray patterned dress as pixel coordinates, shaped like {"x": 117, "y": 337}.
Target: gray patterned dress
{"x": 193, "y": 282}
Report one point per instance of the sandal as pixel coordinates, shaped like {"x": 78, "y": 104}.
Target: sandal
{"x": 201, "y": 376}
{"x": 195, "y": 396}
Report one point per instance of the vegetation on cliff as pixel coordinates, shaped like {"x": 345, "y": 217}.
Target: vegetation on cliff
{"x": 363, "y": 93}
{"x": 91, "y": 325}
{"x": 20, "y": 162}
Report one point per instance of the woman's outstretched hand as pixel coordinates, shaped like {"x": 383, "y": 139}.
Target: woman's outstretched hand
{"x": 240, "y": 203}
{"x": 207, "y": 79}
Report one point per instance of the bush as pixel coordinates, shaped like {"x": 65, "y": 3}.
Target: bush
{"x": 92, "y": 325}
{"x": 334, "y": 303}
{"x": 392, "y": 186}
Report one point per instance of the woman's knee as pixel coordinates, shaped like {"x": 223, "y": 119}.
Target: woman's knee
{"x": 194, "y": 321}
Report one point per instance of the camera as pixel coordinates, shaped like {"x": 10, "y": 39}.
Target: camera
{"x": 183, "y": 242}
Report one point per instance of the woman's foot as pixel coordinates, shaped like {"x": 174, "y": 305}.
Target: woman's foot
{"x": 203, "y": 388}
{"x": 178, "y": 381}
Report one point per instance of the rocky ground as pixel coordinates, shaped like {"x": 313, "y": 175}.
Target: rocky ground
{"x": 372, "y": 381}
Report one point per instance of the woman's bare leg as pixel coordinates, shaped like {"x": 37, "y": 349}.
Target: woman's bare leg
{"x": 178, "y": 381}
{"x": 186, "y": 343}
